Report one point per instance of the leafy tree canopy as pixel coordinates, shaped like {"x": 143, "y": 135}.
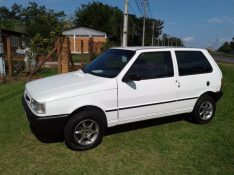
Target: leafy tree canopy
{"x": 42, "y": 25}
{"x": 232, "y": 43}
{"x": 101, "y": 17}
{"x": 227, "y": 46}
{"x": 109, "y": 19}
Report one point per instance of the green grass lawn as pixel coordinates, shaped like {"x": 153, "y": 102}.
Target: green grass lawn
{"x": 77, "y": 58}
{"x": 161, "y": 146}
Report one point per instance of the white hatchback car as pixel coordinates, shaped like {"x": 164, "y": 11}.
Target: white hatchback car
{"x": 124, "y": 85}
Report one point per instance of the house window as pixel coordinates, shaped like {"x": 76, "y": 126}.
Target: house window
{"x": 15, "y": 41}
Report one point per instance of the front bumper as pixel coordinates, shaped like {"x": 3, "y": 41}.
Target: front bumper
{"x": 47, "y": 124}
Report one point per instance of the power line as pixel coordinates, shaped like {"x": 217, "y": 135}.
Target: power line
{"x": 131, "y": 8}
{"x": 144, "y": 7}
{"x": 153, "y": 22}
{"x": 149, "y": 9}
{"x": 138, "y": 7}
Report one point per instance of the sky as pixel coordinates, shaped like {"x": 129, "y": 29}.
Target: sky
{"x": 200, "y": 23}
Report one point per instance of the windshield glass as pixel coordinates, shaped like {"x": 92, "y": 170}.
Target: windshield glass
{"x": 110, "y": 63}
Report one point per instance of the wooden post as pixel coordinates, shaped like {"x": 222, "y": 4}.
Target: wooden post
{"x": 29, "y": 65}
{"x": 65, "y": 55}
{"x": 59, "y": 55}
{"x": 42, "y": 62}
{"x": 62, "y": 48}
{"x": 82, "y": 53}
{"x": 90, "y": 49}
{"x": 9, "y": 57}
{"x": 70, "y": 60}
{"x": 98, "y": 48}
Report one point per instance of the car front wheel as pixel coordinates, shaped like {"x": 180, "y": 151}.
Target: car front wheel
{"x": 84, "y": 130}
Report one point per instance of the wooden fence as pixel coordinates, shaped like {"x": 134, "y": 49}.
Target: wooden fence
{"x": 62, "y": 53}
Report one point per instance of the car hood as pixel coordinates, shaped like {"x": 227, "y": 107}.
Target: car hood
{"x": 67, "y": 85}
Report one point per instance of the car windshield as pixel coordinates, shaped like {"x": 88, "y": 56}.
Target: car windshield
{"x": 110, "y": 63}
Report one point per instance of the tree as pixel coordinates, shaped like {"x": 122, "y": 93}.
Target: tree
{"x": 109, "y": 19}
{"x": 158, "y": 27}
{"x": 99, "y": 16}
{"x": 7, "y": 18}
{"x": 16, "y": 11}
{"x": 232, "y": 44}
{"x": 42, "y": 25}
{"x": 225, "y": 48}
{"x": 40, "y": 20}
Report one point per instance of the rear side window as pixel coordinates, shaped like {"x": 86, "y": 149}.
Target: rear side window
{"x": 151, "y": 65}
{"x": 192, "y": 62}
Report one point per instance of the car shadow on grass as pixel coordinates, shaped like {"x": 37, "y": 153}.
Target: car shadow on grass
{"x": 58, "y": 137}
{"x": 146, "y": 123}
{"x": 48, "y": 137}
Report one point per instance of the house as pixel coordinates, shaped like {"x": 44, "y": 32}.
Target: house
{"x": 15, "y": 37}
{"x": 84, "y": 35}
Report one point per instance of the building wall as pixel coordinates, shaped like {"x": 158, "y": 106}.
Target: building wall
{"x": 16, "y": 40}
{"x": 75, "y": 44}
{"x": 14, "y": 45}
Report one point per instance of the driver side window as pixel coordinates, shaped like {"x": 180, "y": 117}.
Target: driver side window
{"x": 152, "y": 65}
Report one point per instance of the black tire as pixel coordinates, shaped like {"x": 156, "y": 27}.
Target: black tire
{"x": 205, "y": 117}
{"x": 77, "y": 120}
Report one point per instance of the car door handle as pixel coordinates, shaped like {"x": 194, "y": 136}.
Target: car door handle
{"x": 178, "y": 83}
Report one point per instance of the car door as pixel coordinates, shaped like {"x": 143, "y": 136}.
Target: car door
{"x": 155, "y": 94}
{"x": 195, "y": 77}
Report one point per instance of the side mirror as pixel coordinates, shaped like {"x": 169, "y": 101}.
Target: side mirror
{"x": 131, "y": 77}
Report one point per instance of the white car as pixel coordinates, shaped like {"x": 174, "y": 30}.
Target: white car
{"x": 124, "y": 85}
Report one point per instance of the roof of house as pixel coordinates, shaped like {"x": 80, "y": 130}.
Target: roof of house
{"x": 83, "y": 31}
{"x": 17, "y": 29}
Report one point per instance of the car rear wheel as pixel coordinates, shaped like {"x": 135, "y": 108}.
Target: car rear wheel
{"x": 204, "y": 109}
{"x": 84, "y": 130}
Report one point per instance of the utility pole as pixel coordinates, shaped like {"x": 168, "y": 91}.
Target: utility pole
{"x": 143, "y": 36}
{"x": 153, "y": 34}
{"x": 125, "y": 26}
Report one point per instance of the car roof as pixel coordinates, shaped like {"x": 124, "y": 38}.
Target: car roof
{"x": 154, "y": 47}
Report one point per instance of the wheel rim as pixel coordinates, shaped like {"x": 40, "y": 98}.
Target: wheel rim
{"x": 206, "y": 110}
{"x": 86, "y": 132}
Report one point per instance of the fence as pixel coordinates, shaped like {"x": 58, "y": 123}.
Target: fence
{"x": 60, "y": 57}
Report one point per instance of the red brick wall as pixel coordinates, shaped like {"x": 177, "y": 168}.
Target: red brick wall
{"x": 77, "y": 47}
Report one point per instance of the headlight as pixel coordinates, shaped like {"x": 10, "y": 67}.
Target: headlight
{"x": 37, "y": 107}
